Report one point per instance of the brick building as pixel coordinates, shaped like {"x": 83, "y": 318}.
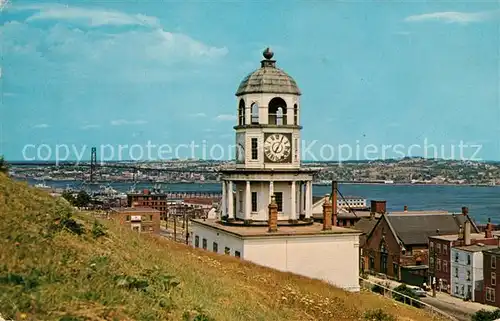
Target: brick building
{"x": 398, "y": 244}
{"x": 140, "y": 219}
{"x": 152, "y": 199}
{"x": 440, "y": 252}
{"x": 491, "y": 288}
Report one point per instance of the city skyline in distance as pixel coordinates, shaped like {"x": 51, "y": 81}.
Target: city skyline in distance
{"x": 378, "y": 74}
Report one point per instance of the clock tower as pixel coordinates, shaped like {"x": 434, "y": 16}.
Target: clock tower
{"x": 267, "y": 151}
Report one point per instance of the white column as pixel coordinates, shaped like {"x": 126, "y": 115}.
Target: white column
{"x": 301, "y": 198}
{"x": 248, "y": 201}
{"x": 293, "y": 213}
{"x": 224, "y": 199}
{"x": 230, "y": 198}
{"x": 271, "y": 191}
{"x": 308, "y": 198}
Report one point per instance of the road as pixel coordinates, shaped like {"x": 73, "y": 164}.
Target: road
{"x": 458, "y": 311}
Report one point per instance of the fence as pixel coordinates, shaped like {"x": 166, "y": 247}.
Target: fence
{"x": 388, "y": 292}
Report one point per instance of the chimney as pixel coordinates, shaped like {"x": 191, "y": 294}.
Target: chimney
{"x": 334, "y": 203}
{"x": 460, "y": 233}
{"x": 327, "y": 214}
{"x": 465, "y": 210}
{"x": 405, "y": 208}
{"x": 489, "y": 229}
{"x": 273, "y": 215}
{"x": 467, "y": 240}
{"x": 378, "y": 207}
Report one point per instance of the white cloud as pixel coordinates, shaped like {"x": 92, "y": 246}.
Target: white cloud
{"x": 198, "y": 115}
{"x": 92, "y": 17}
{"x": 119, "y": 122}
{"x": 89, "y": 126}
{"x": 453, "y": 17}
{"x": 135, "y": 55}
{"x": 41, "y": 126}
{"x": 225, "y": 117}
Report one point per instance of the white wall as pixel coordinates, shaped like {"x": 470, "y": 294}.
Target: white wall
{"x": 212, "y": 235}
{"x": 332, "y": 258}
{"x": 463, "y": 268}
{"x": 262, "y": 190}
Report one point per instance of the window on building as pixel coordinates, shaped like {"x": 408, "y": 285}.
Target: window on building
{"x": 277, "y": 112}
{"x": 128, "y": 218}
{"x": 445, "y": 249}
{"x": 255, "y": 152}
{"x": 254, "y": 201}
{"x": 279, "y": 200}
{"x": 431, "y": 246}
{"x": 372, "y": 263}
{"x": 204, "y": 243}
{"x": 240, "y": 201}
{"x": 255, "y": 113}
{"x": 468, "y": 275}
{"x": 237, "y": 253}
{"x": 456, "y": 272}
{"x": 438, "y": 248}
{"x": 438, "y": 263}
{"x": 150, "y": 217}
{"x": 493, "y": 262}
{"x": 241, "y": 112}
{"x": 468, "y": 259}
{"x": 493, "y": 278}
{"x": 445, "y": 266}
{"x": 490, "y": 294}
{"x": 395, "y": 269}
{"x": 227, "y": 250}
{"x": 456, "y": 289}
{"x": 215, "y": 247}
{"x": 456, "y": 257}
{"x": 295, "y": 115}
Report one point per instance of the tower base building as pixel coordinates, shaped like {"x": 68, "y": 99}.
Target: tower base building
{"x": 266, "y": 206}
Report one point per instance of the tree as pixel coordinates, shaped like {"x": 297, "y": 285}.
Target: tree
{"x": 484, "y": 315}
{"x": 82, "y": 199}
{"x": 4, "y": 168}
{"x": 69, "y": 197}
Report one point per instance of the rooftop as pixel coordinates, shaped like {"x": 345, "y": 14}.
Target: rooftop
{"x": 454, "y": 237}
{"x": 476, "y": 247}
{"x": 262, "y": 231}
{"x": 268, "y": 79}
{"x": 134, "y": 209}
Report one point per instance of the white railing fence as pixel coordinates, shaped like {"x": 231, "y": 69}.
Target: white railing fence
{"x": 390, "y": 293}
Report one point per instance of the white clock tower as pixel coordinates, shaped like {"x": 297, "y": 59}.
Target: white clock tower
{"x": 267, "y": 151}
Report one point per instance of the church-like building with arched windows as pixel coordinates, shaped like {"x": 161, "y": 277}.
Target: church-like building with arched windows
{"x": 266, "y": 207}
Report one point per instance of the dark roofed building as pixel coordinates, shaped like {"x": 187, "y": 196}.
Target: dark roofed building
{"x": 398, "y": 244}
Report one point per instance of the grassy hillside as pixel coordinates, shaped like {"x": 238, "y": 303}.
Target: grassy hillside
{"x": 51, "y": 268}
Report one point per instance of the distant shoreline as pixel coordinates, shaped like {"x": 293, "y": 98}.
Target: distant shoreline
{"x": 317, "y": 183}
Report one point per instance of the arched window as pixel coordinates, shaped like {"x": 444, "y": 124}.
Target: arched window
{"x": 241, "y": 113}
{"x": 277, "y": 112}
{"x": 295, "y": 115}
{"x": 279, "y": 116}
{"x": 255, "y": 113}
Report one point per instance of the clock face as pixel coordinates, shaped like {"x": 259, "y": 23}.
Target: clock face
{"x": 277, "y": 148}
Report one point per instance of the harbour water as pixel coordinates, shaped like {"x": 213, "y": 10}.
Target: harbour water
{"x": 483, "y": 202}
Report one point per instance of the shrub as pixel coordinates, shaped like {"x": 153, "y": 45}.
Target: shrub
{"x": 407, "y": 292}
{"x": 378, "y": 315}
{"x": 484, "y": 315}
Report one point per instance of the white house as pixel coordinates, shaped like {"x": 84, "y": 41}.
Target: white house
{"x": 466, "y": 270}
{"x": 332, "y": 256}
{"x": 267, "y": 202}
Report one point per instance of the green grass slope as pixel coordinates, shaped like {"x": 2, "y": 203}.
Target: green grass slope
{"x": 60, "y": 265}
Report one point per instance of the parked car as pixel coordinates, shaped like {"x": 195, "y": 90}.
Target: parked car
{"x": 418, "y": 291}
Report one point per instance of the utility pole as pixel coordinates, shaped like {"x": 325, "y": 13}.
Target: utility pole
{"x": 175, "y": 227}
{"x": 433, "y": 281}
{"x": 187, "y": 229}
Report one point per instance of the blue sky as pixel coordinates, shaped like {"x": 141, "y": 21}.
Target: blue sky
{"x": 90, "y": 73}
